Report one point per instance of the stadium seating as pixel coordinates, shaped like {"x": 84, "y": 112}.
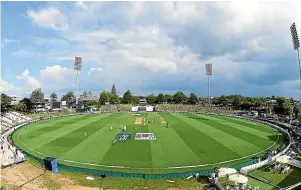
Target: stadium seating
{"x": 193, "y": 108}
{"x": 9, "y": 154}
{"x": 116, "y": 108}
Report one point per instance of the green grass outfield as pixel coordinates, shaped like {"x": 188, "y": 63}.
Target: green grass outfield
{"x": 190, "y": 140}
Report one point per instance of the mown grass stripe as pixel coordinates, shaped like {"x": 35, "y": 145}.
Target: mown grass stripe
{"x": 39, "y": 141}
{"x": 53, "y": 125}
{"x": 130, "y": 153}
{"x": 71, "y": 139}
{"x": 90, "y": 149}
{"x": 244, "y": 128}
{"x": 257, "y": 126}
{"x": 234, "y": 143}
{"x": 163, "y": 149}
{"x": 253, "y": 139}
{"x": 201, "y": 144}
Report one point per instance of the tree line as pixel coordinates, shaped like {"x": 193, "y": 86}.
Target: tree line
{"x": 278, "y": 105}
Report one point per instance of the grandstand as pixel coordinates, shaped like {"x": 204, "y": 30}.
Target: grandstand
{"x": 178, "y": 108}
{"x": 9, "y": 122}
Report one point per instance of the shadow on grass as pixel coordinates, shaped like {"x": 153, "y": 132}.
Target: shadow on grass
{"x": 274, "y": 138}
{"x": 198, "y": 118}
{"x": 279, "y": 179}
{"x": 292, "y": 178}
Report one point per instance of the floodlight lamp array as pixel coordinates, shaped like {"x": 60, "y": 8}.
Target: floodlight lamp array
{"x": 295, "y": 37}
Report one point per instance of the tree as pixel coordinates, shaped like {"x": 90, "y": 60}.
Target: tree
{"x": 179, "y": 97}
{"x": 127, "y": 97}
{"x": 288, "y": 109}
{"x": 160, "y": 98}
{"x": 114, "y": 99}
{"x": 136, "y": 100}
{"x": 237, "y": 101}
{"x": 168, "y": 98}
{"x": 69, "y": 98}
{"x": 20, "y": 107}
{"x": 203, "y": 100}
{"x": 114, "y": 91}
{"x": 151, "y": 99}
{"x": 27, "y": 102}
{"x": 104, "y": 97}
{"x": 222, "y": 100}
{"x": 193, "y": 99}
{"x": 92, "y": 103}
{"x": 5, "y": 102}
{"x": 53, "y": 96}
{"x": 37, "y": 97}
{"x": 283, "y": 106}
{"x": 296, "y": 111}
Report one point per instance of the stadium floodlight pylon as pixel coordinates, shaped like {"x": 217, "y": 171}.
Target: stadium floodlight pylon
{"x": 296, "y": 45}
{"x": 209, "y": 73}
{"x": 77, "y": 68}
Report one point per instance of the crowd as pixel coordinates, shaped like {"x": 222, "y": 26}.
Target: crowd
{"x": 10, "y": 120}
{"x": 36, "y": 116}
{"x": 9, "y": 154}
{"x": 177, "y": 108}
{"x": 116, "y": 108}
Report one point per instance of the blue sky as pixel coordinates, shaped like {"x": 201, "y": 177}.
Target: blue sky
{"x": 150, "y": 47}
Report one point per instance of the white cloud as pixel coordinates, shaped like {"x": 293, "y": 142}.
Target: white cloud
{"x": 146, "y": 39}
{"x": 25, "y": 53}
{"x": 81, "y": 4}
{"x": 94, "y": 70}
{"x": 56, "y": 72}
{"x": 6, "y": 86}
{"x": 49, "y": 18}
{"x": 32, "y": 82}
{"x": 145, "y": 47}
{"x": 6, "y": 42}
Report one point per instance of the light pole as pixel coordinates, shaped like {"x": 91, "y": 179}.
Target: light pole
{"x": 77, "y": 67}
{"x": 296, "y": 45}
{"x": 209, "y": 73}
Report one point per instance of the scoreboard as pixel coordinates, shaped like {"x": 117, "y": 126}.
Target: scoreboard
{"x": 55, "y": 105}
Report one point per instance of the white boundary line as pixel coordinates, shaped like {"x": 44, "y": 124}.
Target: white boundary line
{"x": 171, "y": 167}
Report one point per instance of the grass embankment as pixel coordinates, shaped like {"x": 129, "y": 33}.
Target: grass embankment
{"x": 275, "y": 177}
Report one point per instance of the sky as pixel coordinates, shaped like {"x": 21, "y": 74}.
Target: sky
{"x": 150, "y": 47}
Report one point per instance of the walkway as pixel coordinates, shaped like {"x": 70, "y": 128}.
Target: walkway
{"x": 295, "y": 163}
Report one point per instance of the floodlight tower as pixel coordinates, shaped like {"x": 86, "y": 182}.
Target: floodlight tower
{"x": 77, "y": 68}
{"x": 209, "y": 73}
{"x": 296, "y": 45}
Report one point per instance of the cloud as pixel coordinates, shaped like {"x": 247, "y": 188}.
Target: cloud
{"x": 49, "y": 17}
{"x": 135, "y": 42}
{"x": 6, "y": 42}
{"x": 25, "y": 53}
{"x": 56, "y": 72}
{"x": 7, "y": 87}
{"x": 94, "y": 70}
{"x": 32, "y": 82}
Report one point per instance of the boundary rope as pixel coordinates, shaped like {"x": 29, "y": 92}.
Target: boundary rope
{"x": 141, "y": 168}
